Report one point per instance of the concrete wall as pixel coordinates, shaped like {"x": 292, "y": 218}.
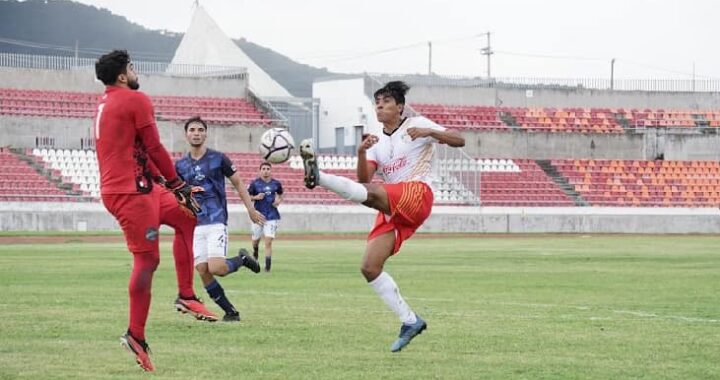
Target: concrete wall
{"x": 562, "y": 98}
{"x": 543, "y": 145}
{"x": 645, "y": 144}
{"x": 84, "y": 81}
{"x": 21, "y": 132}
{"x": 39, "y": 216}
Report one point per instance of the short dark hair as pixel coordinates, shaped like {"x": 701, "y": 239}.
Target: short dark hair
{"x": 195, "y": 119}
{"x": 265, "y": 163}
{"x": 395, "y": 89}
{"x": 110, "y": 65}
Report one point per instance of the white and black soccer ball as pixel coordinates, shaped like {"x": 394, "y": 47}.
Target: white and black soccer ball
{"x": 276, "y": 145}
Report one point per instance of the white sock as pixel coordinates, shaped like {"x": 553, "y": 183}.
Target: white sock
{"x": 388, "y": 290}
{"x": 344, "y": 187}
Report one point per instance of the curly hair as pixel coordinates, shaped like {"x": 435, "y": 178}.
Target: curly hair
{"x": 110, "y": 65}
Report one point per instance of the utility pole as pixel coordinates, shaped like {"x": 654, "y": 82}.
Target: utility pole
{"x": 429, "y": 57}
{"x": 612, "y": 74}
{"x": 487, "y": 51}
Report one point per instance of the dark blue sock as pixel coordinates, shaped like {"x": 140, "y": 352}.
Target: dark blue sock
{"x": 217, "y": 293}
{"x": 268, "y": 263}
{"x": 234, "y": 263}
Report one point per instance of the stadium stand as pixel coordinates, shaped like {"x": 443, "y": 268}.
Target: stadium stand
{"x": 462, "y": 117}
{"x": 20, "y": 182}
{"x": 566, "y": 120}
{"x": 502, "y": 182}
{"x": 526, "y": 184}
{"x": 644, "y": 183}
{"x": 61, "y": 104}
{"x": 582, "y": 120}
{"x": 77, "y": 167}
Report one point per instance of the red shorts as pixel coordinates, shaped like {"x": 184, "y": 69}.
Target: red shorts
{"x": 410, "y": 205}
{"x": 140, "y": 216}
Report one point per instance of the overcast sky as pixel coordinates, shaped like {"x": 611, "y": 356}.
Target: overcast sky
{"x": 551, "y": 38}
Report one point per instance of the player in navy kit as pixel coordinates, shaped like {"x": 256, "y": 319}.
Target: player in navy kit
{"x": 267, "y": 192}
{"x": 208, "y": 169}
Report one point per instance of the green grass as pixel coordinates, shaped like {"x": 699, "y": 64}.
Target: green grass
{"x": 563, "y": 307}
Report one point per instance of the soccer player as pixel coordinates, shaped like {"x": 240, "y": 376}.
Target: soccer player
{"x": 267, "y": 192}
{"x": 130, "y": 156}
{"x": 402, "y": 154}
{"x": 207, "y": 168}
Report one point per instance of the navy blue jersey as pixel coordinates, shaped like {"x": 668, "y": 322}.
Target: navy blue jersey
{"x": 209, "y": 172}
{"x": 265, "y": 205}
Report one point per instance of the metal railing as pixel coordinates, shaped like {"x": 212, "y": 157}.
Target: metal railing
{"x": 267, "y": 108}
{"x": 48, "y": 62}
{"x": 456, "y": 177}
{"x": 647, "y": 85}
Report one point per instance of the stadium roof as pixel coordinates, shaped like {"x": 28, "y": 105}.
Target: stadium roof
{"x": 205, "y": 43}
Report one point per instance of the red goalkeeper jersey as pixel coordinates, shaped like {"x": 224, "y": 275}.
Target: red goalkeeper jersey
{"x": 128, "y": 143}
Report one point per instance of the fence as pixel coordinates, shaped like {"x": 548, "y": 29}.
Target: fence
{"x": 648, "y": 85}
{"x": 47, "y": 62}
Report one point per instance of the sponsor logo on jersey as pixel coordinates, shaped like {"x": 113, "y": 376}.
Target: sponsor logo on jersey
{"x": 395, "y": 166}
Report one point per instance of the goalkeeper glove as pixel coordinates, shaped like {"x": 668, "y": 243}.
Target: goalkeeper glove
{"x": 184, "y": 195}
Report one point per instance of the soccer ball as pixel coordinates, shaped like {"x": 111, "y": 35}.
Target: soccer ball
{"x": 276, "y": 144}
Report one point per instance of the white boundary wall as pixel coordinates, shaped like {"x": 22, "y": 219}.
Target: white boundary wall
{"x": 39, "y": 216}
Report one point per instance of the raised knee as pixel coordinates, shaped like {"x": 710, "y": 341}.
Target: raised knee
{"x": 370, "y": 272}
{"x": 373, "y": 194}
{"x": 202, "y": 269}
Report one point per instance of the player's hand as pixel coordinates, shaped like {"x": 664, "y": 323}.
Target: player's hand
{"x": 256, "y": 217}
{"x": 415, "y": 132}
{"x": 260, "y": 196}
{"x": 367, "y": 143}
{"x": 185, "y": 198}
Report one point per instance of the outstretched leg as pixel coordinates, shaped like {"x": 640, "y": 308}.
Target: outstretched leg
{"x": 369, "y": 194}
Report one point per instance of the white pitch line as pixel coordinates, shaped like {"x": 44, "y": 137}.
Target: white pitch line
{"x": 645, "y": 314}
{"x": 636, "y": 313}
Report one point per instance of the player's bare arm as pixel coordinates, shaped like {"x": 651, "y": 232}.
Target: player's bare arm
{"x": 449, "y": 137}
{"x": 278, "y": 200}
{"x": 365, "y": 169}
{"x": 239, "y": 185}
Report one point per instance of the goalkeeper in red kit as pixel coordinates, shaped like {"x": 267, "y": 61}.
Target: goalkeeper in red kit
{"x": 131, "y": 159}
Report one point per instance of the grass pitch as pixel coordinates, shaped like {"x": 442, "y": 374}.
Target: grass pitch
{"x": 554, "y": 307}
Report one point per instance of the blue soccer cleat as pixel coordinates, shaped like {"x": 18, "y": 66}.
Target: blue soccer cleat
{"x": 407, "y": 333}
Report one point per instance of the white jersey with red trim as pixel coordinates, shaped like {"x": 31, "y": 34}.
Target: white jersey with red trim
{"x": 402, "y": 159}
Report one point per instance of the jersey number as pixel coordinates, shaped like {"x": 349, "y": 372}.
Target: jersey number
{"x": 101, "y": 106}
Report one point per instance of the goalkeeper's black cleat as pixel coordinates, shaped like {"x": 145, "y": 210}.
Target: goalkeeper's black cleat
{"x": 248, "y": 261}
{"x": 312, "y": 172}
{"x": 231, "y": 317}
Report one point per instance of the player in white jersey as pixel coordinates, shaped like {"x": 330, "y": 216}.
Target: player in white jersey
{"x": 402, "y": 154}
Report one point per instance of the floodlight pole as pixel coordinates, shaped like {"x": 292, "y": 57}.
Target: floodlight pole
{"x": 612, "y": 74}
{"x": 429, "y": 57}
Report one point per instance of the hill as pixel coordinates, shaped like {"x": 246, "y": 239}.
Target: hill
{"x": 58, "y": 27}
